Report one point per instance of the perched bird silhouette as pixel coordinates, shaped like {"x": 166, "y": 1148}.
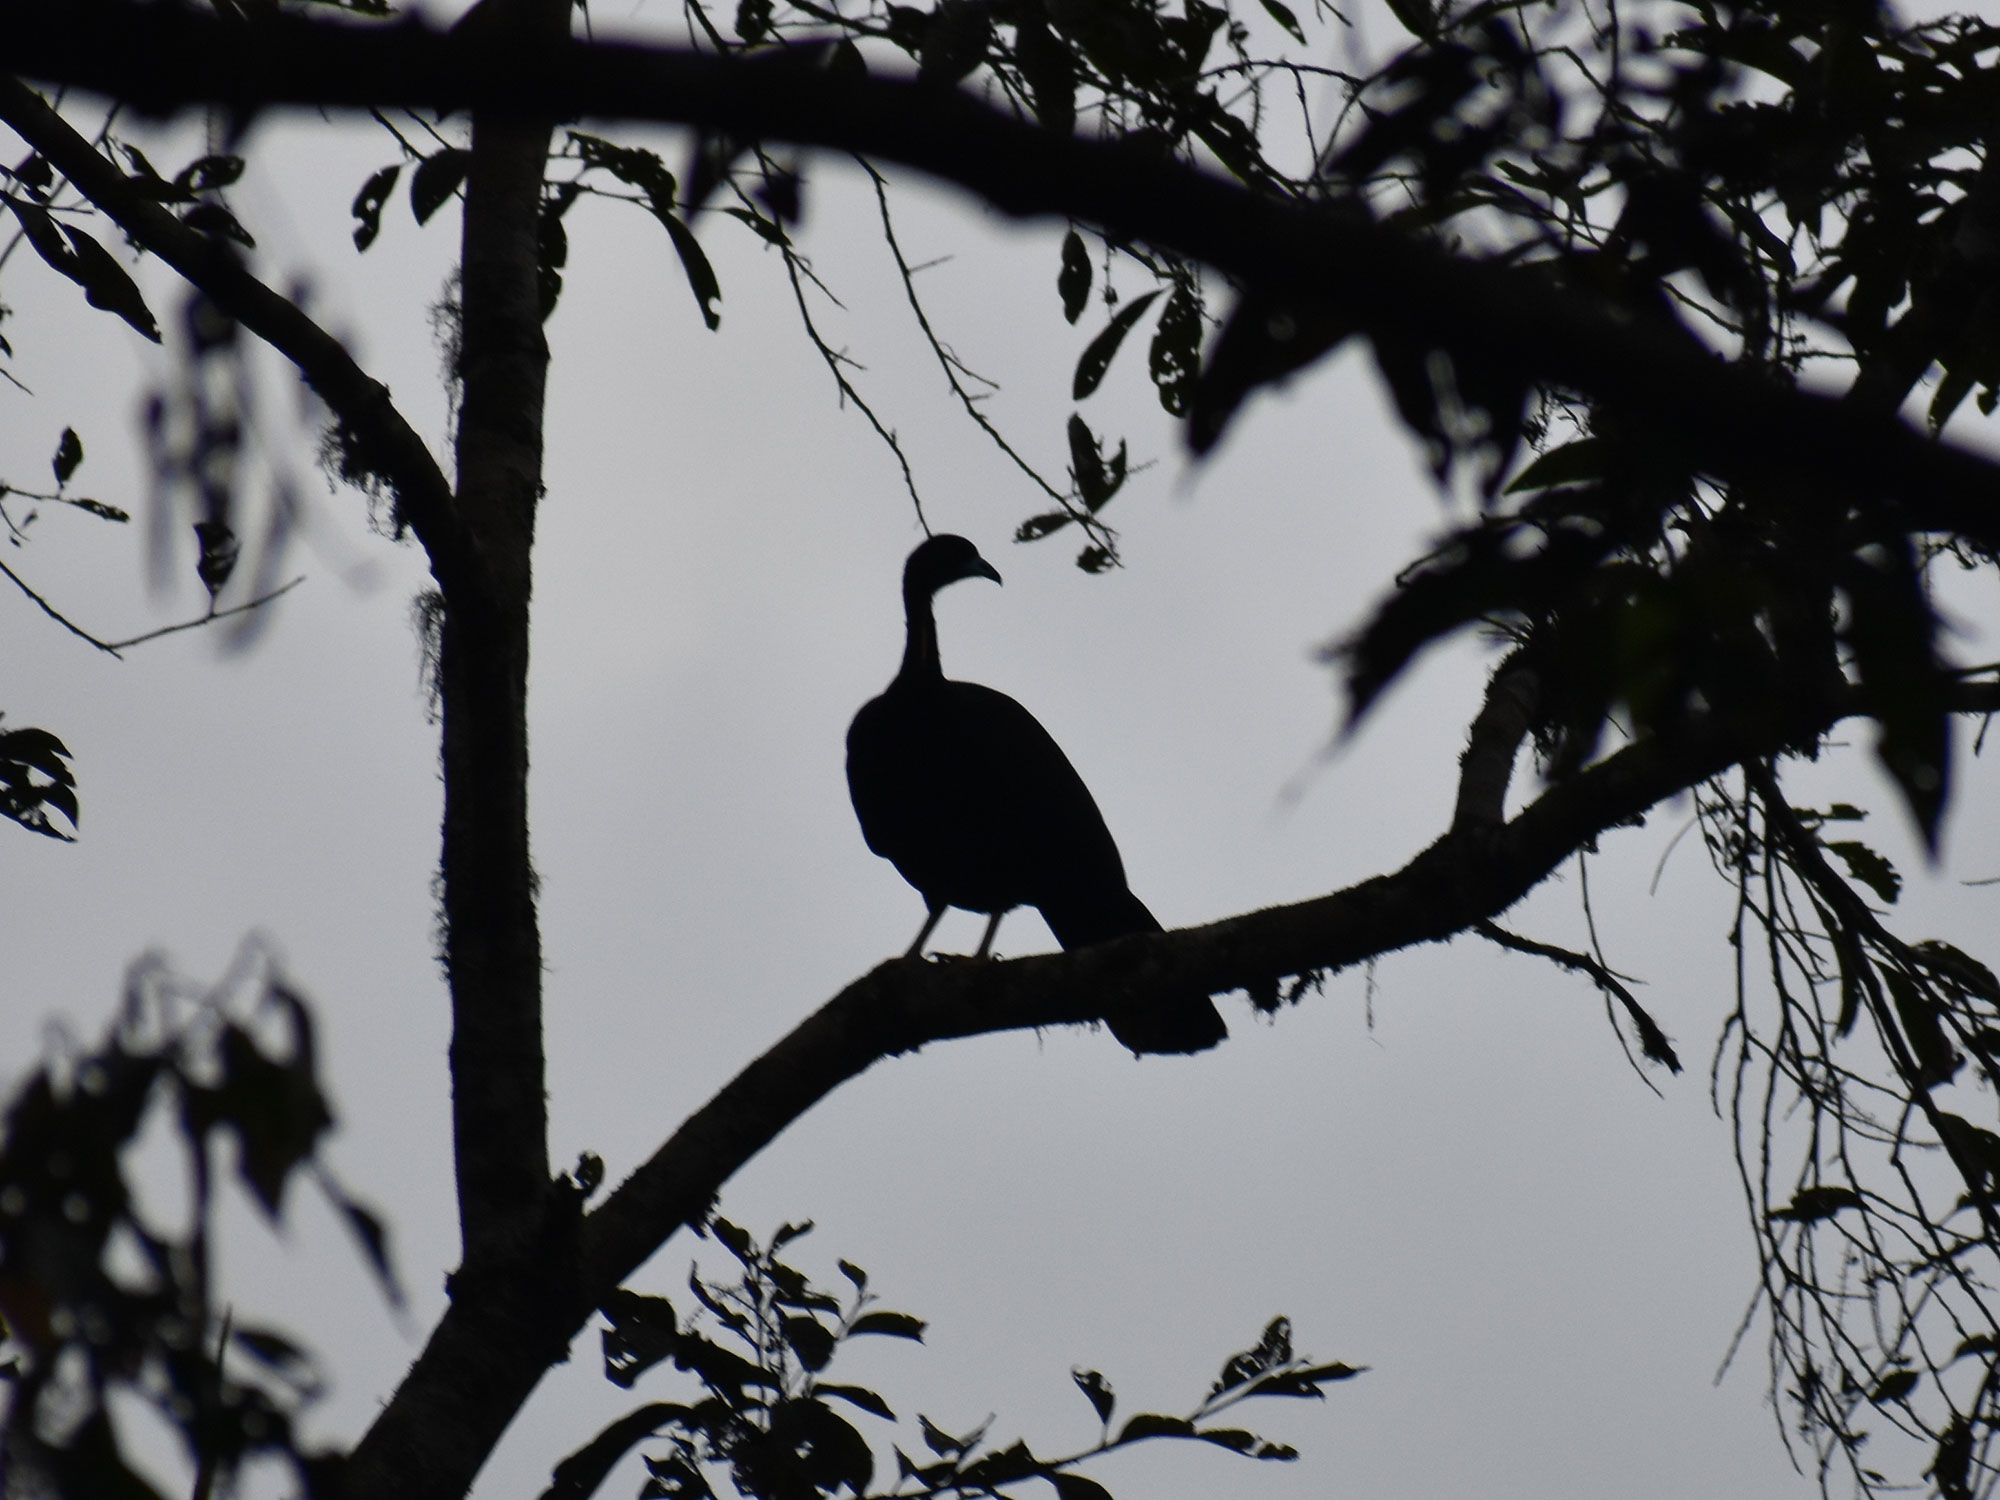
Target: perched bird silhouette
{"x": 963, "y": 791}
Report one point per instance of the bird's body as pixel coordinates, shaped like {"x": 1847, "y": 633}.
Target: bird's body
{"x": 972, "y": 800}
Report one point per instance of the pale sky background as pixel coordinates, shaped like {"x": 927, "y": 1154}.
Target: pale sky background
{"x": 1457, "y": 1182}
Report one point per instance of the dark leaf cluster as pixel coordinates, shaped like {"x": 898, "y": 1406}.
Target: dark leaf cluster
{"x": 759, "y": 1345}
{"x": 98, "y": 1297}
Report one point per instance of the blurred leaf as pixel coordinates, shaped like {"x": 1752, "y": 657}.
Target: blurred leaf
{"x": 1233, "y": 1438}
{"x": 700, "y": 274}
{"x": 855, "y": 1274}
{"x": 1894, "y": 1386}
{"x": 1273, "y": 1350}
{"x": 1810, "y": 1205}
{"x": 578, "y": 1476}
{"x": 1152, "y": 1425}
{"x": 642, "y": 1331}
{"x": 209, "y": 174}
{"x": 1282, "y": 14}
{"x": 218, "y": 223}
{"x": 367, "y": 207}
{"x": 35, "y": 781}
{"x": 1097, "y": 356}
{"x": 1871, "y": 869}
{"x": 1076, "y": 1487}
{"x": 69, "y": 453}
{"x": 106, "y": 284}
{"x": 1923, "y": 1027}
{"x": 1175, "y": 356}
{"x": 1096, "y": 481}
{"x": 1097, "y": 1390}
{"x": 811, "y": 1340}
{"x": 867, "y": 1400}
{"x": 1573, "y": 463}
{"x": 893, "y": 1324}
{"x": 436, "y": 178}
{"x": 218, "y": 554}
{"x": 1036, "y": 527}
{"x": 1073, "y": 281}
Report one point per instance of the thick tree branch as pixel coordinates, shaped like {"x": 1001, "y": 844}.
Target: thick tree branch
{"x": 490, "y": 1350}
{"x": 1728, "y": 419}
{"x": 358, "y": 401}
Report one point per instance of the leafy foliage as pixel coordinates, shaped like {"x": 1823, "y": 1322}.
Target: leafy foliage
{"x": 759, "y": 1346}
{"x": 98, "y": 1297}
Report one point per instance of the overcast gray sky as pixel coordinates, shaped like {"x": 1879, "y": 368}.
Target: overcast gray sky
{"x": 1447, "y": 1173}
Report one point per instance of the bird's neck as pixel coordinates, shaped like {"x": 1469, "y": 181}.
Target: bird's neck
{"x": 920, "y": 647}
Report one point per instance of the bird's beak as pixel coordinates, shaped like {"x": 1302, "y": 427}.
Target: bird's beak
{"x": 981, "y": 568}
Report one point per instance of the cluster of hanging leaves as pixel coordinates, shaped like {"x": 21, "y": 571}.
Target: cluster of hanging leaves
{"x": 769, "y": 1423}
{"x": 1855, "y": 1081}
{"x": 195, "y": 426}
{"x": 99, "y": 1297}
{"x": 1783, "y": 181}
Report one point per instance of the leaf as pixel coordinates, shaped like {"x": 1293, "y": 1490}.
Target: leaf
{"x": 1579, "y": 462}
{"x": 1282, "y": 14}
{"x": 281, "y": 1356}
{"x": 219, "y": 549}
{"x": 1978, "y": 1343}
{"x": 700, "y": 274}
{"x": 1098, "y": 355}
{"x": 1097, "y": 1390}
{"x": 1095, "y": 559}
{"x": 1175, "y": 357}
{"x": 1273, "y": 1350}
{"x": 1810, "y": 1205}
{"x": 643, "y": 1331}
{"x": 218, "y": 223}
{"x": 367, "y": 208}
{"x": 1076, "y": 1487}
{"x": 367, "y": 1227}
{"x": 69, "y": 453}
{"x": 208, "y": 174}
{"x": 1894, "y": 1386}
{"x": 1233, "y": 1438}
{"x": 578, "y": 1476}
{"x": 1152, "y": 1425}
{"x": 866, "y": 1399}
{"x": 811, "y": 1340}
{"x": 1096, "y": 481}
{"x": 854, "y": 1274}
{"x": 1073, "y": 281}
{"x": 106, "y": 284}
{"x": 894, "y": 1325}
{"x": 1871, "y": 869}
{"x": 942, "y": 1443}
{"x": 1923, "y": 1026}
{"x": 437, "y": 177}
{"x": 1036, "y": 527}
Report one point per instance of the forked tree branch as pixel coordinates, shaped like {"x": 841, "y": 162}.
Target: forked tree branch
{"x": 1729, "y": 420}
{"x": 359, "y": 401}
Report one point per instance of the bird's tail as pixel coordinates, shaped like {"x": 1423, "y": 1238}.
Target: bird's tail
{"x": 1178, "y": 1023}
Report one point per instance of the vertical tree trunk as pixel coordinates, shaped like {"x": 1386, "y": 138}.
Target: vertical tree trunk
{"x": 492, "y": 945}
{"x": 508, "y": 1294}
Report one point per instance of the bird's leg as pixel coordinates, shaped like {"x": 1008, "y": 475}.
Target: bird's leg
{"x": 992, "y": 927}
{"x": 930, "y": 924}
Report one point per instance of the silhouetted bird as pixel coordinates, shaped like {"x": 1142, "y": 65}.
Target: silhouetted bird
{"x": 966, "y": 794}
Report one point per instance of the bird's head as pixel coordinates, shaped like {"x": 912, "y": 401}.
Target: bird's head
{"x": 942, "y": 560}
